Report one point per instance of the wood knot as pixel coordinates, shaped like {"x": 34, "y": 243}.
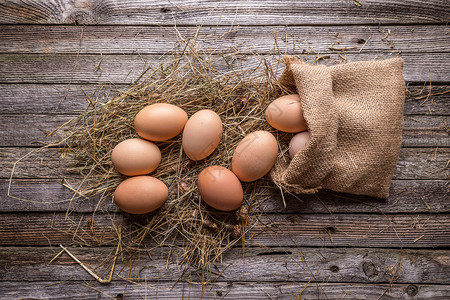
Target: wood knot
{"x": 369, "y": 269}
{"x": 334, "y": 269}
{"x": 165, "y": 10}
{"x": 412, "y": 290}
{"x": 330, "y": 229}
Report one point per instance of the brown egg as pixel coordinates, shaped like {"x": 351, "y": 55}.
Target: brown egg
{"x": 136, "y": 157}
{"x": 160, "y": 121}
{"x": 140, "y": 194}
{"x": 220, "y": 188}
{"x": 202, "y": 134}
{"x": 285, "y": 114}
{"x": 254, "y": 156}
{"x": 298, "y": 142}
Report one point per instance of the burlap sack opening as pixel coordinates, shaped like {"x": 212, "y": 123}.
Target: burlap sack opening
{"x": 354, "y": 113}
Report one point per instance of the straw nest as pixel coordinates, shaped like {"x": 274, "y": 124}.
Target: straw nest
{"x": 193, "y": 79}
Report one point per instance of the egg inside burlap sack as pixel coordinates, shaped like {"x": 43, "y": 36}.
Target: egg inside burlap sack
{"x": 354, "y": 114}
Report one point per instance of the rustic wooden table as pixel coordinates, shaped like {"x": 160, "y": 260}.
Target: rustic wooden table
{"x": 332, "y": 248}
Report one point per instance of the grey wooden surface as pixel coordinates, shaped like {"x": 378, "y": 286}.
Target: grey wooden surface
{"x": 338, "y": 247}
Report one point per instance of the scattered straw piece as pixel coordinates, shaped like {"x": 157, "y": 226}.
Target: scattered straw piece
{"x": 91, "y": 272}
{"x": 419, "y": 238}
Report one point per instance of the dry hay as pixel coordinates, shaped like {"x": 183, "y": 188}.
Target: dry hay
{"x": 193, "y": 79}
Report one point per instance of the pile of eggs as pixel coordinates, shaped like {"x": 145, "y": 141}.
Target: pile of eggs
{"x": 218, "y": 186}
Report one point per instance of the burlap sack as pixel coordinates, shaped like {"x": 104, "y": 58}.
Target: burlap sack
{"x": 354, "y": 113}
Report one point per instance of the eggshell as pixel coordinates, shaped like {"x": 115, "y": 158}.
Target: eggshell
{"x": 141, "y": 194}
{"x": 254, "y": 156}
{"x": 286, "y": 114}
{"x": 298, "y": 142}
{"x": 220, "y": 188}
{"x": 160, "y": 121}
{"x": 136, "y": 157}
{"x": 202, "y": 134}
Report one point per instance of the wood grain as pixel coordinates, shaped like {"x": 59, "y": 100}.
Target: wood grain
{"x": 426, "y": 164}
{"x": 419, "y": 131}
{"x": 328, "y": 246}
{"x": 355, "y": 265}
{"x": 51, "y": 99}
{"x": 33, "y": 130}
{"x": 227, "y": 12}
{"x": 417, "y": 101}
{"x": 31, "y": 163}
{"x": 58, "y": 68}
{"x": 307, "y": 230}
{"x": 38, "y": 39}
{"x": 228, "y": 290}
{"x": 406, "y": 196}
{"x": 414, "y": 163}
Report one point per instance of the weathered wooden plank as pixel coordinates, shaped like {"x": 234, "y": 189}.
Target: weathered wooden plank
{"x": 414, "y": 231}
{"x": 45, "y": 195}
{"x": 422, "y": 164}
{"x": 60, "y": 99}
{"x": 224, "y": 12}
{"x": 245, "y": 39}
{"x": 353, "y": 265}
{"x": 417, "y": 101}
{"x": 315, "y": 230}
{"x": 414, "y": 163}
{"x": 53, "y": 229}
{"x": 52, "y": 99}
{"x": 32, "y": 130}
{"x": 34, "y": 163}
{"x": 419, "y": 131}
{"x": 231, "y": 290}
{"x": 58, "y": 68}
{"x": 406, "y": 196}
